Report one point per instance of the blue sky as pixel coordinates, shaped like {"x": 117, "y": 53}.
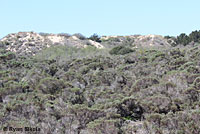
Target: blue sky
{"x": 104, "y": 17}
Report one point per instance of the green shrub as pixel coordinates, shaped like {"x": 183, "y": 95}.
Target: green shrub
{"x": 95, "y": 37}
{"x": 195, "y": 36}
{"x": 79, "y": 36}
{"x": 50, "y": 85}
{"x": 183, "y": 39}
{"x": 8, "y": 56}
{"x": 120, "y": 50}
{"x": 197, "y": 83}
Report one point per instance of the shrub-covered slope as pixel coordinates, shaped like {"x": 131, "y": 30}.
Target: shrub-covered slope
{"x": 67, "y": 90}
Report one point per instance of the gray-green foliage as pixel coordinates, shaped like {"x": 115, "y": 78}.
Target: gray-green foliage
{"x": 87, "y": 90}
{"x": 68, "y": 53}
{"x": 120, "y": 50}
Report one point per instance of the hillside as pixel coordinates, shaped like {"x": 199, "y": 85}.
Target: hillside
{"x": 30, "y": 43}
{"x": 70, "y": 84}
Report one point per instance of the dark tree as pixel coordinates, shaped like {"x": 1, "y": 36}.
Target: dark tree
{"x": 195, "y": 36}
{"x": 183, "y": 39}
{"x": 95, "y": 37}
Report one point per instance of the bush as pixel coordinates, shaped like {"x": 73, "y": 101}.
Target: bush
{"x": 195, "y": 36}
{"x": 44, "y": 34}
{"x": 8, "y": 56}
{"x": 66, "y": 35}
{"x": 95, "y": 37}
{"x": 120, "y": 50}
{"x": 1, "y": 44}
{"x": 80, "y": 36}
{"x": 183, "y": 39}
{"x": 50, "y": 85}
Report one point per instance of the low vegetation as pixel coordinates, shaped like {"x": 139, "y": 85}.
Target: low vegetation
{"x": 118, "y": 90}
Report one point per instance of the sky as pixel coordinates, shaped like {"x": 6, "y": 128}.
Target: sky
{"x": 104, "y": 17}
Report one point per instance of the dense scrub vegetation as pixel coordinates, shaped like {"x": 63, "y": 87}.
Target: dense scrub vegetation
{"x": 184, "y": 39}
{"x": 67, "y": 90}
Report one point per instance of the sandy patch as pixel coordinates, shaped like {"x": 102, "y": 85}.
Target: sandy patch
{"x": 55, "y": 38}
{"x": 96, "y": 44}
